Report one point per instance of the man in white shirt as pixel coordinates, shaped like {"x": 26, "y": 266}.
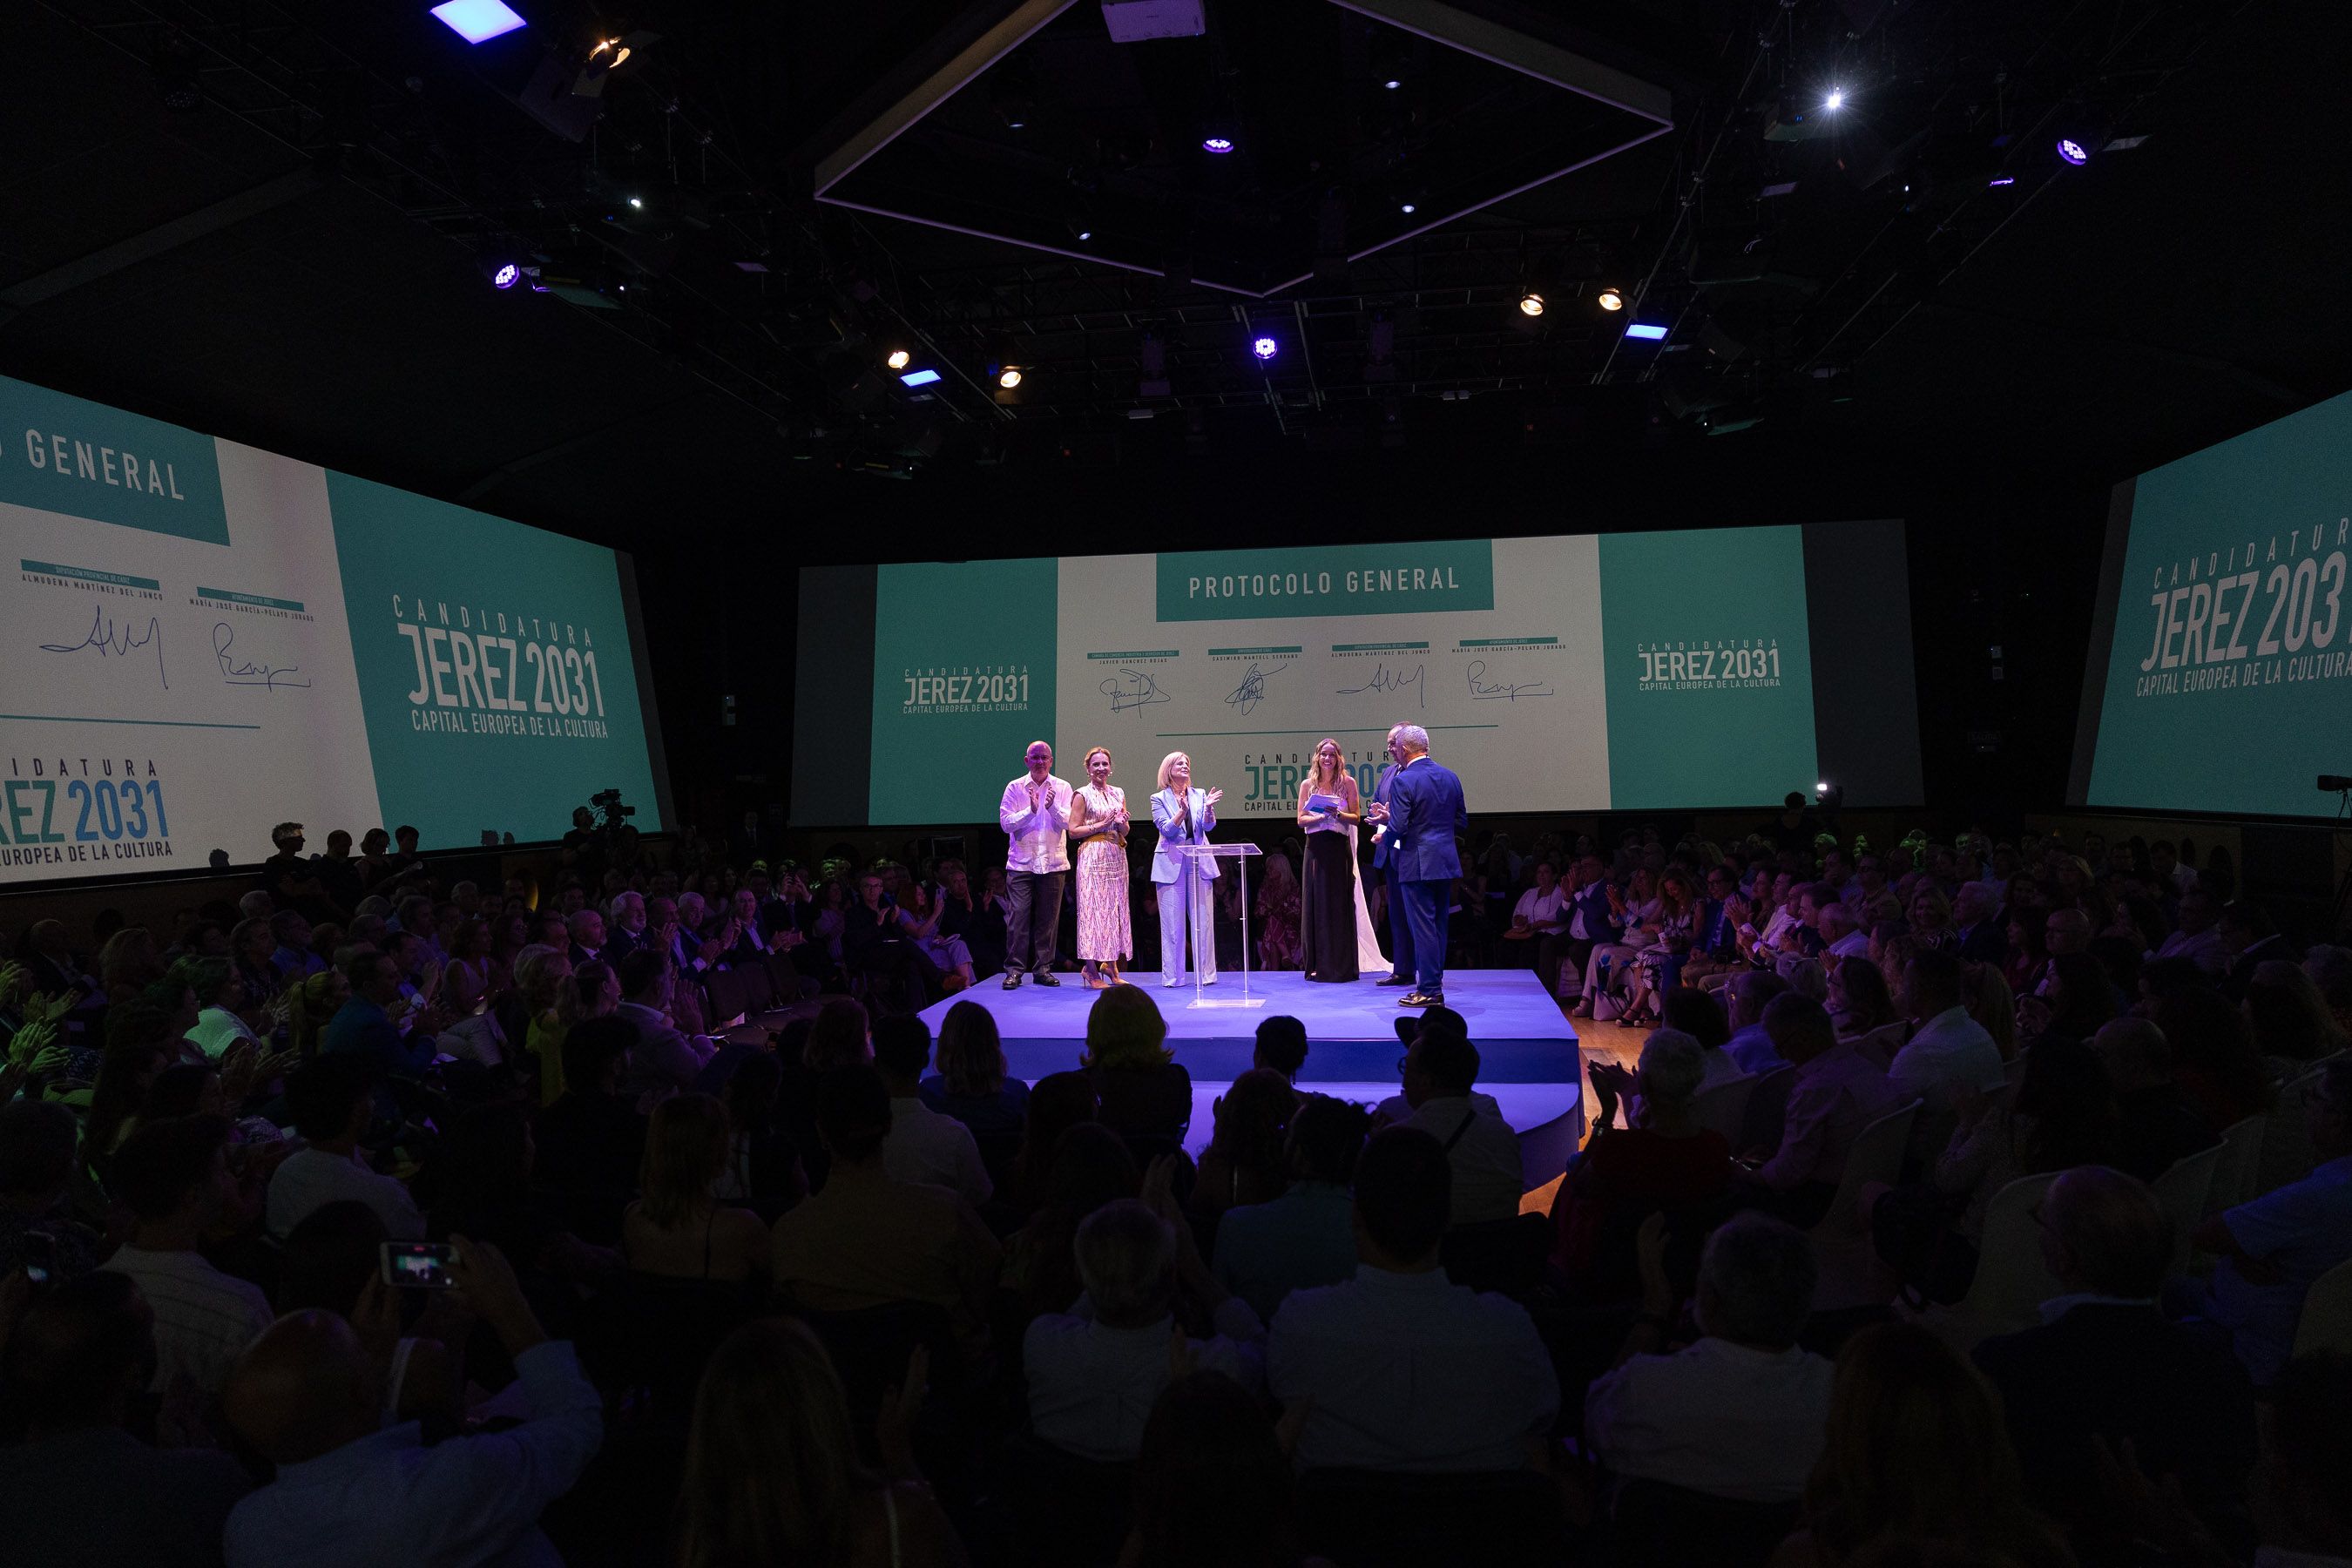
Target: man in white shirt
{"x": 1441, "y": 1067}
{"x": 1094, "y": 1372}
{"x": 1035, "y": 815}
{"x": 2199, "y": 940}
{"x": 1843, "y": 934}
{"x": 1950, "y": 1054}
{"x": 1407, "y": 1370}
{"x": 923, "y": 1145}
{"x": 173, "y": 1176}
{"x": 662, "y": 1061}
{"x": 332, "y": 1100}
{"x": 1742, "y": 1414}
{"x": 353, "y": 1492}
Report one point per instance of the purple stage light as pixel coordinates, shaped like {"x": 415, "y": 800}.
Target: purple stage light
{"x": 1219, "y": 144}
{"x": 506, "y": 277}
{"x": 2073, "y": 152}
{"x": 1265, "y": 347}
{"x": 2000, "y": 180}
{"x": 478, "y": 21}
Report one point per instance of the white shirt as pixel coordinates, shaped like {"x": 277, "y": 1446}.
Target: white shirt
{"x": 203, "y": 1321}
{"x": 2203, "y": 949}
{"x": 935, "y": 1150}
{"x": 217, "y": 1029}
{"x": 308, "y": 1182}
{"x": 1715, "y": 1417}
{"x": 1537, "y": 906}
{"x": 386, "y": 1502}
{"x": 1040, "y": 837}
{"x": 1489, "y": 1179}
{"x": 1092, "y": 1388}
{"x": 1411, "y": 1371}
{"x": 1853, "y": 944}
{"x": 1950, "y": 1050}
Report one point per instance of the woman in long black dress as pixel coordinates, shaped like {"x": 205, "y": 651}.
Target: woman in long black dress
{"x": 1326, "y": 925}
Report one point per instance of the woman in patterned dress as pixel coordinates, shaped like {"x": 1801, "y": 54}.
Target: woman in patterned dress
{"x": 1098, "y": 828}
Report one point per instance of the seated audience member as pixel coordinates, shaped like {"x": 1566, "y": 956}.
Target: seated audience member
{"x": 1977, "y": 922}
{"x": 1059, "y": 1101}
{"x": 1700, "y": 1015}
{"x": 1837, "y": 1092}
{"x": 363, "y": 1028}
{"x": 1145, "y": 1093}
{"x": 2197, "y": 938}
{"x": 2155, "y": 1126}
{"x": 1094, "y": 1372}
{"x": 349, "y": 1490}
{"x": 2106, "y": 1365}
{"x": 678, "y": 1229}
{"x": 1281, "y": 1045}
{"x": 1244, "y": 1162}
{"x": 764, "y": 1162}
{"x": 2077, "y": 999}
{"x": 173, "y": 1176}
{"x": 1306, "y": 1236}
{"x": 290, "y": 957}
{"x": 334, "y": 1261}
{"x": 592, "y": 1143}
{"x": 662, "y": 1060}
{"x": 36, "y": 1166}
{"x": 1091, "y": 1166}
{"x": 923, "y": 1144}
{"x": 221, "y": 999}
{"x": 2062, "y": 1115}
{"x": 841, "y": 1036}
{"x": 1208, "y": 1438}
{"x": 2273, "y": 1246}
{"x": 1949, "y": 1052}
{"x": 80, "y": 1488}
{"x": 973, "y": 1084}
{"x": 333, "y": 1102}
{"x": 1750, "y": 1046}
{"x": 2330, "y": 969}
{"x": 1664, "y": 1159}
{"x": 867, "y": 1239}
{"x": 1407, "y": 1371}
{"x": 586, "y": 930}
{"x": 2213, "y": 1057}
{"x": 1741, "y": 1412}
{"x": 1991, "y": 1003}
{"x": 772, "y": 1471}
{"x": 1917, "y": 1457}
{"x": 1864, "y": 1007}
{"x": 2290, "y": 1019}
{"x": 1440, "y": 1070}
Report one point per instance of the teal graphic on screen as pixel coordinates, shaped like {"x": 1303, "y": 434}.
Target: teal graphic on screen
{"x": 67, "y": 455}
{"x": 963, "y": 681}
{"x": 2228, "y": 681}
{"x": 1708, "y": 665}
{"x": 495, "y": 669}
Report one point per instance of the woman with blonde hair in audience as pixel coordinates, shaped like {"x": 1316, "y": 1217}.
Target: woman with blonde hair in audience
{"x": 772, "y": 1475}
{"x": 1917, "y": 1453}
{"x": 311, "y": 1004}
{"x": 678, "y": 1229}
{"x": 540, "y": 974}
{"x": 1930, "y": 914}
{"x": 1144, "y": 1090}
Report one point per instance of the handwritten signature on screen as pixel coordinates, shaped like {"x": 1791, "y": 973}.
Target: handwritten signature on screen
{"x": 1131, "y": 690}
{"x": 1252, "y": 690}
{"x": 1385, "y": 680}
{"x": 119, "y": 639}
{"x": 1485, "y": 691}
{"x": 247, "y": 672}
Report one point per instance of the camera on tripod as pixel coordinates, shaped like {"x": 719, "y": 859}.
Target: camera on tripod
{"x": 606, "y": 804}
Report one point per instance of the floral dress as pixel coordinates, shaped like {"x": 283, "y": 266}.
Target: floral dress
{"x": 1104, "y": 931}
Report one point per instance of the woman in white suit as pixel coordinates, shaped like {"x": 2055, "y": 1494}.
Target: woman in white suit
{"x": 1184, "y": 816}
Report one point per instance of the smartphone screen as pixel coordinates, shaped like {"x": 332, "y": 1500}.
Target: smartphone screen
{"x": 422, "y": 1264}
{"x": 38, "y": 1252}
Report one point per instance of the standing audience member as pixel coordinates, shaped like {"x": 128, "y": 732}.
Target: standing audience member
{"x": 923, "y": 1145}
{"x": 1306, "y": 1236}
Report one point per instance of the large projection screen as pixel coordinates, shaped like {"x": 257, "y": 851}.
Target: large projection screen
{"x": 1690, "y": 669}
{"x": 207, "y": 639}
{"x": 2220, "y": 672}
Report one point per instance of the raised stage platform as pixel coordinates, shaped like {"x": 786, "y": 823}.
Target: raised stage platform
{"x": 1529, "y": 1056}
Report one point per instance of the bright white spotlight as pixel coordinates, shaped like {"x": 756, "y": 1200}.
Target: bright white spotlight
{"x": 1009, "y": 377}
{"x": 1610, "y": 300}
{"x": 899, "y": 358}
{"x": 1835, "y": 101}
{"x": 1531, "y": 303}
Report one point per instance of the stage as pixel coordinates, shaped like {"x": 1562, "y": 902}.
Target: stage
{"x": 1528, "y": 1057}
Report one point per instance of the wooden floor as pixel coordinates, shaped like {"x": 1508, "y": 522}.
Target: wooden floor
{"x": 1599, "y": 1042}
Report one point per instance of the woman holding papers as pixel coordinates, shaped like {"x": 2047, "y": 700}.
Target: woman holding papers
{"x": 1328, "y": 809}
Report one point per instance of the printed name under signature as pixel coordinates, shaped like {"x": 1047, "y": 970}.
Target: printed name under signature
{"x": 108, "y": 637}
{"x": 243, "y": 672}
{"x": 1485, "y": 691}
{"x": 1132, "y": 689}
{"x": 1252, "y": 690}
{"x": 1386, "y": 679}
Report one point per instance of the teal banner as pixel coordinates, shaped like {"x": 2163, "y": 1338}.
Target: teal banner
{"x": 963, "y": 681}
{"x": 1325, "y": 580}
{"x": 61, "y": 454}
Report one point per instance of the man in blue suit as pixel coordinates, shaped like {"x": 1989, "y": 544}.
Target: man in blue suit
{"x": 1424, "y": 812}
{"x": 1399, "y": 922}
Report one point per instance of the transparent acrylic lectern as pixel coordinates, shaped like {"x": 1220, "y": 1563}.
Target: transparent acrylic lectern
{"x": 1204, "y": 921}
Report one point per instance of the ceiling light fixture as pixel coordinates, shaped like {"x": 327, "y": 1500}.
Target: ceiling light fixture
{"x": 1009, "y": 377}
{"x": 1221, "y": 146}
{"x": 1611, "y": 299}
{"x": 478, "y": 21}
{"x": 899, "y": 358}
{"x": 1265, "y": 349}
{"x": 2073, "y": 152}
{"x": 1531, "y": 302}
{"x": 1835, "y": 101}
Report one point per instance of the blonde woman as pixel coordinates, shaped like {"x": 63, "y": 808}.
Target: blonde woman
{"x": 1099, "y": 823}
{"x": 540, "y": 972}
{"x": 1330, "y": 806}
{"x": 1184, "y": 815}
{"x": 679, "y": 1229}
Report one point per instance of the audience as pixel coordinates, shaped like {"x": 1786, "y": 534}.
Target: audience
{"x": 1664, "y": 1160}
{"x": 973, "y": 1084}
{"x": 331, "y": 1101}
{"x": 1145, "y": 1093}
{"x": 679, "y": 1230}
{"x": 1306, "y": 1236}
{"x": 1244, "y": 1162}
{"x": 924, "y": 1145}
{"x": 2155, "y": 1126}
{"x": 1750, "y": 1046}
{"x": 1208, "y": 1438}
{"x": 1481, "y": 1150}
{"x": 1836, "y": 1093}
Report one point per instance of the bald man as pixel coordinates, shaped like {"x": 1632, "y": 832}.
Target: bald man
{"x": 350, "y": 1490}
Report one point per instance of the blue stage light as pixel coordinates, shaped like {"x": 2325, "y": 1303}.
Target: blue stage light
{"x": 1645, "y": 329}
{"x": 2073, "y": 152}
{"x": 1265, "y": 347}
{"x": 478, "y": 21}
{"x": 920, "y": 377}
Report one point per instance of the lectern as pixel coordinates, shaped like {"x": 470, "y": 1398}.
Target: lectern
{"x": 1204, "y": 921}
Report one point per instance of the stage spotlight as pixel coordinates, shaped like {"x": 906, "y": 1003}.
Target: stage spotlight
{"x": 1009, "y": 377}
{"x": 1392, "y": 84}
{"x": 1531, "y": 302}
{"x": 1265, "y": 349}
{"x": 1217, "y": 144}
{"x": 920, "y": 377}
{"x": 2073, "y": 152}
{"x": 899, "y": 358}
{"x": 638, "y": 203}
{"x": 1408, "y": 206}
{"x": 1835, "y": 101}
{"x": 478, "y": 21}
{"x": 505, "y": 275}
{"x": 1645, "y": 329}
{"x": 1611, "y": 299}
{"x": 1998, "y": 181}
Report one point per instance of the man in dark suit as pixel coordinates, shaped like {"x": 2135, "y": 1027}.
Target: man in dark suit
{"x": 1977, "y": 914}
{"x": 1424, "y": 813}
{"x": 1400, "y": 923}
{"x": 2105, "y": 1364}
